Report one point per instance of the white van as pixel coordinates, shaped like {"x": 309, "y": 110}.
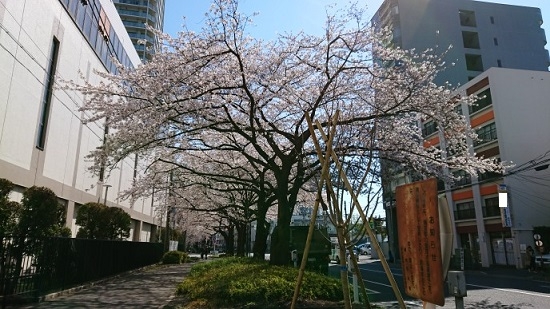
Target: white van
{"x": 335, "y": 253}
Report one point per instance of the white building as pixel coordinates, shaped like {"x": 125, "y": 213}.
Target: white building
{"x": 43, "y": 141}
{"x": 512, "y": 124}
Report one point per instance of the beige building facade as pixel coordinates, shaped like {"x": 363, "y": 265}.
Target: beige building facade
{"x": 43, "y": 140}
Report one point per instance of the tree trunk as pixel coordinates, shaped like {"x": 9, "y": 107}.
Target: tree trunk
{"x": 229, "y": 238}
{"x": 262, "y": 231}
{"x": 280, "y": 240}
{"x": 241, "y": 238}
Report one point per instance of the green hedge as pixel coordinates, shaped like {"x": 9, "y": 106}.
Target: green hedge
{"x": 174, "y": 257}
{"x": 241, "y": 281}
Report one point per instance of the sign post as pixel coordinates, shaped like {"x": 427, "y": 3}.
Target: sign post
{"x": 419, "y": 241}
{"x": 540, "y": 248}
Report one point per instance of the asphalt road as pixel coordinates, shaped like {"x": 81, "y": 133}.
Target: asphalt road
{"x": 485, "y": 289}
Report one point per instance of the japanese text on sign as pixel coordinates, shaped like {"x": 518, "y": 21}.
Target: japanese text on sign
{"x": 419, "y": 240}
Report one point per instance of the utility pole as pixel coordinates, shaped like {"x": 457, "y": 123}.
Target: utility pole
{"x": 168, "y": 211}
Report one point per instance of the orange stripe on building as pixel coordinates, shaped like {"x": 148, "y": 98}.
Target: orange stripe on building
{"x": 463, "y": 195}
{"x": 488, "y": 190}
{"x": 475, "y": 88}
{"x": 490, "y": 115}
{"x": 434, "y": 141}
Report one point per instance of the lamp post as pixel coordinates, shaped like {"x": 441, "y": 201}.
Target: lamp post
{"x": 106, "y": 190}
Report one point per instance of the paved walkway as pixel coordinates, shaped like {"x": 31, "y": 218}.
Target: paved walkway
{"x": 151, "y": 287}
{"x": 154, "y": 287}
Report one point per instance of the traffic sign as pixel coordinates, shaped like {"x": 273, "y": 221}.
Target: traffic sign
{"x": 536, "y": 236}
{"x": 538, "y": 243}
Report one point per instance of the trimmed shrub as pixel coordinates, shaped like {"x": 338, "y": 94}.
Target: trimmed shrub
{"x": 174, "y": 257}
{"x": 239, "y": 281}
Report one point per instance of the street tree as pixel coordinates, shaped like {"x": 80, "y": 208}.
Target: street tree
{"x": 98, "y": 221}
{"x": 221, "y": 91}
{"x": 40, "y": 216}
{"x": 9, "y": 210}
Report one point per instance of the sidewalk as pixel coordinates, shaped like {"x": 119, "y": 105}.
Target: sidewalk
{"x": 154, "y": 287}
{"x": 511, "y": 272}
{"x": 151, "y": 287}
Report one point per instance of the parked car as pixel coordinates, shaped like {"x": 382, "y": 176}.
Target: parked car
{"x": 334, "y": 256}
{"x": 365, "y": 248}
{"x": 545, "y": 259}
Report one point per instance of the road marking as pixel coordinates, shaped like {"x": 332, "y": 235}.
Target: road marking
{"x": 369, "y": 291}
{"x": 381, "y": 271}
{"x": 511, "y": 290}
{"x": 374, "y": 282}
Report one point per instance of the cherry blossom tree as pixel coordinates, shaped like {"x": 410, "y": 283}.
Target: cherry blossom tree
{"x": 220, "y": 94}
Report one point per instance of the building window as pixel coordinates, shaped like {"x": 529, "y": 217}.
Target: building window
{"x": 104, "y": 25}
{"x": 465, "y": 211}
{"x": 457, "y": 148}
{"x": 499, "y": 63}
{"x": 489, "y": 176}
{"x": 492, "y": 19}
{"x": 467, "y": 18}
{"x": 486, "y": 134}
{"x": 491, "y": 208}
{"x": 462, "y": 178}
{"x": 47, "y": 98}
{"x": 474, "y": 63}
{"x": 484, "y": 100}
{"x": 458, "y": 109}
{"x": 495, "y": 40}
{"x": 470, "y": 39}
{"x": 429, "y": 128}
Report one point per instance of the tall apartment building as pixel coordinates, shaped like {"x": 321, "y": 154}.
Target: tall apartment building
{"x": 512, "y": 125}
{"x": 43, "y": 140}
{"x": 135, "y": 14}
{"x": 483, "y": 35}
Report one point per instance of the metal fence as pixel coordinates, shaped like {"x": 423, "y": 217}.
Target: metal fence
{"x": 31, "y": 268}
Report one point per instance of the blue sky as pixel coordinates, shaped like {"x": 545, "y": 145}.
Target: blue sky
{"x": 279, "y": 16}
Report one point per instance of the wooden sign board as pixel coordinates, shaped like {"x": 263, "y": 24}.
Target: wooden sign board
{"x": 419, "y": 240}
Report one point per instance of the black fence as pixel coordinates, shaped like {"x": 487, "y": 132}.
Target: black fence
{"x": 31, "y": 268}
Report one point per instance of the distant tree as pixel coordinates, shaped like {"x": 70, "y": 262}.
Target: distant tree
{"x": 98, "y": 221}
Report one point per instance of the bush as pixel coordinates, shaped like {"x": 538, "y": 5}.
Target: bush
{"x": 241, "y": 281}
{"x": 174, "y": 257}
